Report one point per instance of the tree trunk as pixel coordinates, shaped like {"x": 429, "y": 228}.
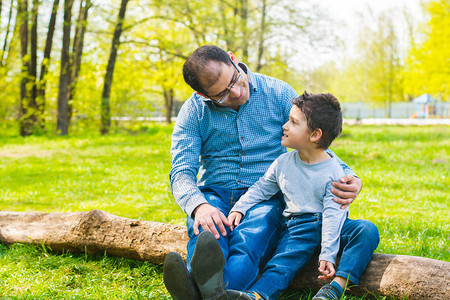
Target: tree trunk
{"x": 99, "y": 232}
{"x": 105, "y": 111}
{"x": 33, "y": 60}
{"x": 262, "y": 30}
{"x": 42, "y": 83}
{"x": 96, "y": 230}
{"x": 227, "y": 36}
{"x": 168, "y": 103}
{"x": 22, "y": 19}
{"x": 9, "y": 47}
{"x": 62, "y": 123}
{"x": 7, "y": 31}
{"x": 77, "y": 51}
{"x": 244, "y": 29}
{"x": 26, "y": 112}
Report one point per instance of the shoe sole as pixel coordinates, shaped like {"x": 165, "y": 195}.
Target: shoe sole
{"x": 177, "y": 279}
{"x": 207, "y": 266}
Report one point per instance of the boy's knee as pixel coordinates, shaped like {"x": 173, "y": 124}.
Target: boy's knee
{"x": 368, "y": 231}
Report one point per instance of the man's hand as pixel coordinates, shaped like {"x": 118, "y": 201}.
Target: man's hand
{"x": 349, "y": 188}
{"x": 235, "y": 218}
{"x": 327, "y": 270}
{"x": 208, "y": 217}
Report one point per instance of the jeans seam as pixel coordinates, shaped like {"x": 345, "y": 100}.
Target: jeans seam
{"x": 348, "y": 276}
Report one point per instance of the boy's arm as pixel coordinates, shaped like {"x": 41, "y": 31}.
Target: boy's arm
{"x": 333, "y": 219}
{"x": 262, "y": 190}
{"x": 347, "y": 170}
{"x": 348, "y": 187}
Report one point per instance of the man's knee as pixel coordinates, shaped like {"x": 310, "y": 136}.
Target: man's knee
{"x": 270, "y": 211}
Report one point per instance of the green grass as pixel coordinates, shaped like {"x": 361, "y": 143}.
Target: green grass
{"x": 404, "y": 170}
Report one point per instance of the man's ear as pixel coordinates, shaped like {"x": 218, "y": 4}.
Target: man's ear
{"x": 316, "y": 134}
{"x": 233, "y": 57}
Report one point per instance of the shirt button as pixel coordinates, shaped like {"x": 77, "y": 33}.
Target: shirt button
{"x": 242, "y": 137}
{"x": 238, "y": 181}
{"x": 242, "y": 154}
{"x": 240, "y": 165}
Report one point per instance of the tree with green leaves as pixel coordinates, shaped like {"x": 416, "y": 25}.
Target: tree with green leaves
{"x": 428, "y": 62}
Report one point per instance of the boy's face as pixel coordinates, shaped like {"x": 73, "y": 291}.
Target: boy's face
{"x": 296, "y": 133}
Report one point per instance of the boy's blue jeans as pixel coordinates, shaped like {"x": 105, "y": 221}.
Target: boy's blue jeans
{"x": 301, "y": 237}
{"x": 252, "y": 243}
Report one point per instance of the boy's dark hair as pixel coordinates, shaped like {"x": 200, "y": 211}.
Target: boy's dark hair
{"x": 321, "y": 111}
{"x": 195, "y": 66}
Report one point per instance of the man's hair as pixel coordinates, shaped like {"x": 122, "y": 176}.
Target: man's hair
{"x": 195, "y": 69}
{"x": 321, "y": 111}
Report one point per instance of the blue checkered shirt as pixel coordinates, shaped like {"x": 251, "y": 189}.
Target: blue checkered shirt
{"x": 228, "y": 148}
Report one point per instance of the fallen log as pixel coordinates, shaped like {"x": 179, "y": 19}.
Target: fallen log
{"x": 401, "y": 276}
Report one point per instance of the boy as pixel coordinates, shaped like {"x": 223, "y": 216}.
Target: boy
{"x": 312, "y": 218}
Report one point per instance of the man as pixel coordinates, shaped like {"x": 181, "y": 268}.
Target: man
{"x": 233, "y": 124}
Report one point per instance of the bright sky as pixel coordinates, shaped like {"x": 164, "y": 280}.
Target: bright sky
{"x": 349, "y": 7}
{"x": 351, "y": 15}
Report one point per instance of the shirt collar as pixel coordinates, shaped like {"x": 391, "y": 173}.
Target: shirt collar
{"x": 251, "y": 76}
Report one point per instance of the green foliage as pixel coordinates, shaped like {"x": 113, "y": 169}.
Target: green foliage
{"x": 154, "y": 45}
{"x": 404, "y": 170}
{"x": 428, "y": 61}
{"x": 375, "y": 73}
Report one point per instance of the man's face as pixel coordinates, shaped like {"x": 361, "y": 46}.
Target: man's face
{"x": 232, "y": 80}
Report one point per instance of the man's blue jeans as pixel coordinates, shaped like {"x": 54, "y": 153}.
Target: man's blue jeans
{"x": 301, "y": 237}
{"x": 250, "y": 244}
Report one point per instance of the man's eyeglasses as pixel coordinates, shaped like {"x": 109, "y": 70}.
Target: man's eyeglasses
{"x": 227, "y": 91}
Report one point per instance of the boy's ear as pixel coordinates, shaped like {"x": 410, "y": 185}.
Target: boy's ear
{"x": 316, "y": 134}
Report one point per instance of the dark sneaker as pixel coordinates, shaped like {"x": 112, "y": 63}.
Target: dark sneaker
{"x": 207, "y": 266}
{"x": 237, "y": 295}
{"x": 328, "y": 292}
{"x": 177, "y": 279}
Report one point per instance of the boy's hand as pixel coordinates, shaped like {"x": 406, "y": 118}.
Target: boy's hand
{"x": 349, "y": 188}
{"x": 235, "y": 218}
{"x": 327, "y": 270}
{"x": 208, "y": 217}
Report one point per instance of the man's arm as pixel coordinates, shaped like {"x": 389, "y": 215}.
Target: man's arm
{"x": 346, "y": 190}
{"x": 349, "y": 186}
{"x": 185, "y": 150}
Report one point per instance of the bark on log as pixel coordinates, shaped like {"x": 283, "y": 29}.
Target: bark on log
{"x": 401, "y": 276}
